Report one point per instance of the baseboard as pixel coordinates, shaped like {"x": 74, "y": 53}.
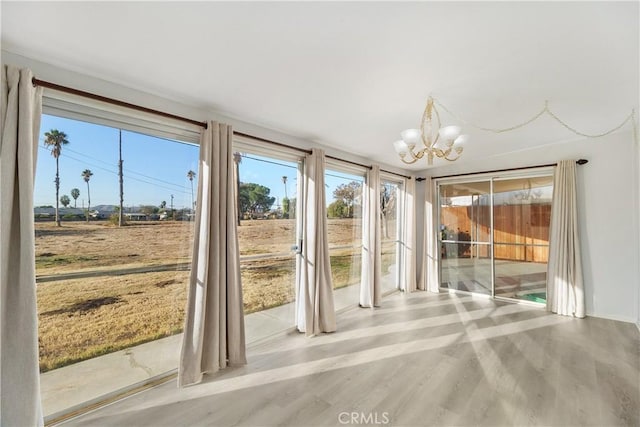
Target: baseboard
{"x": 616, "y": 318}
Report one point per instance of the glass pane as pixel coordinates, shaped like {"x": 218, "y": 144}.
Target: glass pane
{"x": 105, "y": 291}
{"x": 521, "y": 217}
{"x": 344, "y": 220}
{"x": 522, "y": 212}
{"x": 389, "y": 234}
{"x": 524, "y": 280}
{"x": 460, "y": 270}
{"x": 464, "y": 212}
{"x": 267, "y": 197}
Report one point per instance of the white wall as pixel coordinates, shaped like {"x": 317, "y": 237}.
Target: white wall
{"x": 608, "y": 215}
{"x": 55, "y": 74}
{"x": 637, "y": 182}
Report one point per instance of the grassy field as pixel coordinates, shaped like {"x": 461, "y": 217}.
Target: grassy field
{"x": 118, "y": 302}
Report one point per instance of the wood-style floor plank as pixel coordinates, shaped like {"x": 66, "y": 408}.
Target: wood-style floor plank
{"x": 419, "y": 360}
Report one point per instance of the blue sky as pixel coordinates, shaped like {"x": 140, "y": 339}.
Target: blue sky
{"x": 154, "y": 168}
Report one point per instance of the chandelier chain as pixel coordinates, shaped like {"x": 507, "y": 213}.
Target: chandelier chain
{"x": 545, "y": 109}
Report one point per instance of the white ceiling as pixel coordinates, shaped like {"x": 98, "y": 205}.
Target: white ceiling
{"x": 352, "y": 75}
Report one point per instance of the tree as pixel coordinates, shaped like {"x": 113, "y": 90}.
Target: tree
{"x": 347, "y": 193}
{"x": 191, "y": 174}
{"x": 55, "y": 140}
{"x": 285, "y": 207}
{"x": 388, "y": 195}
{"x": 255, "y": 198}
{"x": 86, "y": 175}
{"x": 337, "y": 209}
{"x": 75, "y": 193}
{"x": 237, "y": 159}
{"x": 285, "y": 211}
{"x": 148, "y": 210}
{"x": 284, "y": 181}
{"x": 163, "y": 204}
{"x": 65, "y": 200}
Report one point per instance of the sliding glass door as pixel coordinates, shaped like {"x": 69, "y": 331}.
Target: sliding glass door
{"x": 521, "y": 217}
{"x": 465, "y": 238}
{"x": 494, "y": 235}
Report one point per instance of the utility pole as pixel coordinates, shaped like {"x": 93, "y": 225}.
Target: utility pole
{"x": 121, "y": 214}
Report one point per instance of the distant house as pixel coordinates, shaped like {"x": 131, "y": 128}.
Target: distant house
{"x": 136, "y": 216}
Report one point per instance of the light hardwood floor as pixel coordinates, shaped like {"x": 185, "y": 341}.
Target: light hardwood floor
{"x": 420, "y": 359}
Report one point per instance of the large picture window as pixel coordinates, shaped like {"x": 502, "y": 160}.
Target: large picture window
{"x": 111, "y": 276}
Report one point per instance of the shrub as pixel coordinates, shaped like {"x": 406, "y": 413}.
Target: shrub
{"x": 114, "y": 217}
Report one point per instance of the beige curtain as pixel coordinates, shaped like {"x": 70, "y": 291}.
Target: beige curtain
{"x": 370, "y": 283}
{"x": 214, "y": 324}
{"x": 408, "y": 279}
{"x": 19, "y": 368}
{"x": 429, "y": 263}
{"x": 315, "y": 312}
{"x": 565, "y": 290}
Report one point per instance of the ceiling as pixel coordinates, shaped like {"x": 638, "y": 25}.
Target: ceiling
{"x": 353, "y": 75}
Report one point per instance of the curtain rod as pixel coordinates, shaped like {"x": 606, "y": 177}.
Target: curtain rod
{"x": 579, "y": 162}
{"x": 60, "y": 88}
{"x": 303, "y": 150}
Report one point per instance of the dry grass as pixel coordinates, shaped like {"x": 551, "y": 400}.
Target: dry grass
{"x": 80, "y": 318}
{"x": 84, "y": 318}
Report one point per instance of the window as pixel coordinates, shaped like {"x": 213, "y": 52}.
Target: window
{"x": 390, "y": 207}
{"x": 344, "y": 220}
{"x": 104, "y": 290}
{"x": 268, "y": 204}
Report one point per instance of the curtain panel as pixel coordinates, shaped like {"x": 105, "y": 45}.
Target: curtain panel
{"x": 214, "y": 325}
{"x": 408, "y": 279}
{"x": 565, "y": 289}
{"x": 370, "y": 282}
{"x": 19, "y": 367}
{"x": 315, "y": 312}
{"x": 428, "y": 276}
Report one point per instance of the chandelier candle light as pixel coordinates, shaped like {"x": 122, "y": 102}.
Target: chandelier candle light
{"x": 443, "y": 142}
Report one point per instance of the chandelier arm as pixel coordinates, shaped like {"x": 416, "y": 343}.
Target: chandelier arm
{"x": 426, "y": 117}
{"x": 415, "y": 159}
{"x": 451, "y": 159}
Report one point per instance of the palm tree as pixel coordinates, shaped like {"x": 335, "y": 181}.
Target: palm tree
{"x": 75, "y": 193}
{"x": 86, "y": 175}
{"x": 284, "y": 181}
{"x": 191, "y": 174}
{"x": 56, "y": 139}
{"x": 237, "y": 159}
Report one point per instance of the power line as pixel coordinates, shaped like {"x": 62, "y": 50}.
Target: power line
{"x": 126, "y": 170}
{"x": 268, "y": 161}
{"x": 130, "y": 177}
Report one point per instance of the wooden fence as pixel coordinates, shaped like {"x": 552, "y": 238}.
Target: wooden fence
{"x": 521, "y": 232}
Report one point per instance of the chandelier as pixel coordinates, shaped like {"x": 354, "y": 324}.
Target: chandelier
{"x": 442, "y": 142}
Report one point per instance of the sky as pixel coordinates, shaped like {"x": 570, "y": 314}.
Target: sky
{"x": 153, "y": 168}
